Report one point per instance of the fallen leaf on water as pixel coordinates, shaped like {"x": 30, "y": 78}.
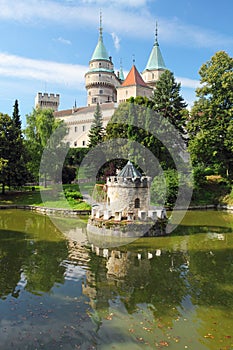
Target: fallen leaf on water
{"x": 209, "y": 335}
{"x": 140, "y": 339}
{"x": 163, "y": 343}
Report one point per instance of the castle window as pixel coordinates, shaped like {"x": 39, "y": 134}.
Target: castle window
{"x": 84, "y": 143}
{"x": 100, "y": 64}
{"x": 75, "y": 129}
{"x": 101, "y": 92}
{"x": 75, "y": 143}
{"x": 99, "y": 75}
{"x": 137, "y": 203}
{"x": 94, "y": 100}
{"x": 84, "y": 128}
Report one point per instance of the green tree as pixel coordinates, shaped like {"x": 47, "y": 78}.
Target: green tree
{"x": 96, "y": 133}
{"x": 17, "y": 158}
{"x": 41, "y": 124}
{"x": 210, "y": 125}
{"x": 13, "y": 172}
{"x": 5, "y": 122}
{"x": 168, "y": 102}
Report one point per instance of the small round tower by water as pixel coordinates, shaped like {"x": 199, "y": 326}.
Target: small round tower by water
{"x": 128, "y": 192}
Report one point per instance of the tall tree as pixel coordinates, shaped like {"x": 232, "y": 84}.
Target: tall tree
{"x": 41, "y": 124}
{"x": 5, "y": 123}
{"x": 96, "y": 133}
{"x": 12, "y": 152}
{"x": 17, "y": 159}
{"x": 210, "y": 124}
{"x": 168, "y": 102}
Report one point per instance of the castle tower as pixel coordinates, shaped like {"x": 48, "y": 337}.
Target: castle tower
{"x": 155, "y": 65}
{"x": 133, "y": 86}
{"x": 101, "y": 80}
{"x": 47, "y": 101}
{"x": 128, "y": 192}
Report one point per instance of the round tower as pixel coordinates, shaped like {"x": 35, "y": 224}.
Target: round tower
{"x": 128, "y": 192}
{"x": 101, "y": 80}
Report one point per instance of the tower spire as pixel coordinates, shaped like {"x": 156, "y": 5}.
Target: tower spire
{"x": 156, "y": 33}
{"x": 101, "y": 26}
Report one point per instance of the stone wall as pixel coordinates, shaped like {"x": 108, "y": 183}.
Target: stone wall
{"x": 121, "y": 195}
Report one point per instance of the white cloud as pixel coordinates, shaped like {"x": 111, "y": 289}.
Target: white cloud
{"x": 63, "y": 41}
{"x": 118, "y": 3}
{"x": 124, "y": 17}
{"x": 46, "y": 71}
{"x": 188, "y": 83}
{"x": 54, "y": 72}
{"x": 116, "y": 41}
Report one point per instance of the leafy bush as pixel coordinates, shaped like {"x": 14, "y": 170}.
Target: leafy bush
{"x": 73, "y": 195}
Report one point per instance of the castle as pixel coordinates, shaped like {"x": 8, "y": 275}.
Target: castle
{"x": 108, "y": 88}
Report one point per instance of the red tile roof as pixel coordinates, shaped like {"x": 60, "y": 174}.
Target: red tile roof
{"x": 134, "y": 78}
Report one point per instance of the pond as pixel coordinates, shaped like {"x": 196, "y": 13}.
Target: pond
{"x": 59, "y": 291}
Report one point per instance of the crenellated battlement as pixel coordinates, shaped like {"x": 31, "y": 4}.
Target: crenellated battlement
{"x": 143, "y": 181}
{"x": 46, "y": 100}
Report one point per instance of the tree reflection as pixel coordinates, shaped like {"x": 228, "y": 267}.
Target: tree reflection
{"x": 30, "y": 256}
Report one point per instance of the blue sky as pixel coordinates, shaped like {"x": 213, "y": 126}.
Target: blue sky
{"x": 45, "y": 46}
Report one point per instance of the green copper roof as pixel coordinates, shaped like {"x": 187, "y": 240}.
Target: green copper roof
{"x": 155, "y": 60}
{"x": 100, "y": 52}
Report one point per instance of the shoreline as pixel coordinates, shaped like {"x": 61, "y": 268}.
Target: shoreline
{"x": 46, "y": 210}
{"x": 75, "y": 212}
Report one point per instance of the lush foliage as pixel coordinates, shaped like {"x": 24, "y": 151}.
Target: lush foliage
{"x": 13, "y": 171}
{"x": 41, "y": 139}
{"x": 211, "y": 123}
{"x": 168, "y": 101}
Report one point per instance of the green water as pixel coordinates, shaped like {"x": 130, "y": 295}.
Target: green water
{"x": 58, "y": 291}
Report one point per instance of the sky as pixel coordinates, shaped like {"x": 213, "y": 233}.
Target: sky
{"x": 46, "y": 45}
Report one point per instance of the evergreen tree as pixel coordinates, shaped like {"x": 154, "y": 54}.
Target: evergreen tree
{"x": 17, "y": 158}
{"x": 210, "y": 125}
{"x": 168, "y": 102}
{"x": 12, "y": 152}
{"x": 96, "y": 133}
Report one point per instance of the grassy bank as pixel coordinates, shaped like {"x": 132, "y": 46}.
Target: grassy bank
{"x": 213, "y": 191}
{"x": 27, "y": 196}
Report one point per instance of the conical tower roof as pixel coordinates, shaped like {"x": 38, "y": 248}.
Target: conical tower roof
{"x": 100, "y": 52}
{"x": 156, "y": 59}
{"x": 134, "y": 78}
{"x": 129, "y": 170}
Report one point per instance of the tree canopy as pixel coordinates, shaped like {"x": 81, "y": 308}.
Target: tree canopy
{"x": 41, "y": 124}
{"x": 210, "y": 124}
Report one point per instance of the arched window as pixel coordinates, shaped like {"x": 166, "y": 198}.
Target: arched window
{"x": 137, "y": 203}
